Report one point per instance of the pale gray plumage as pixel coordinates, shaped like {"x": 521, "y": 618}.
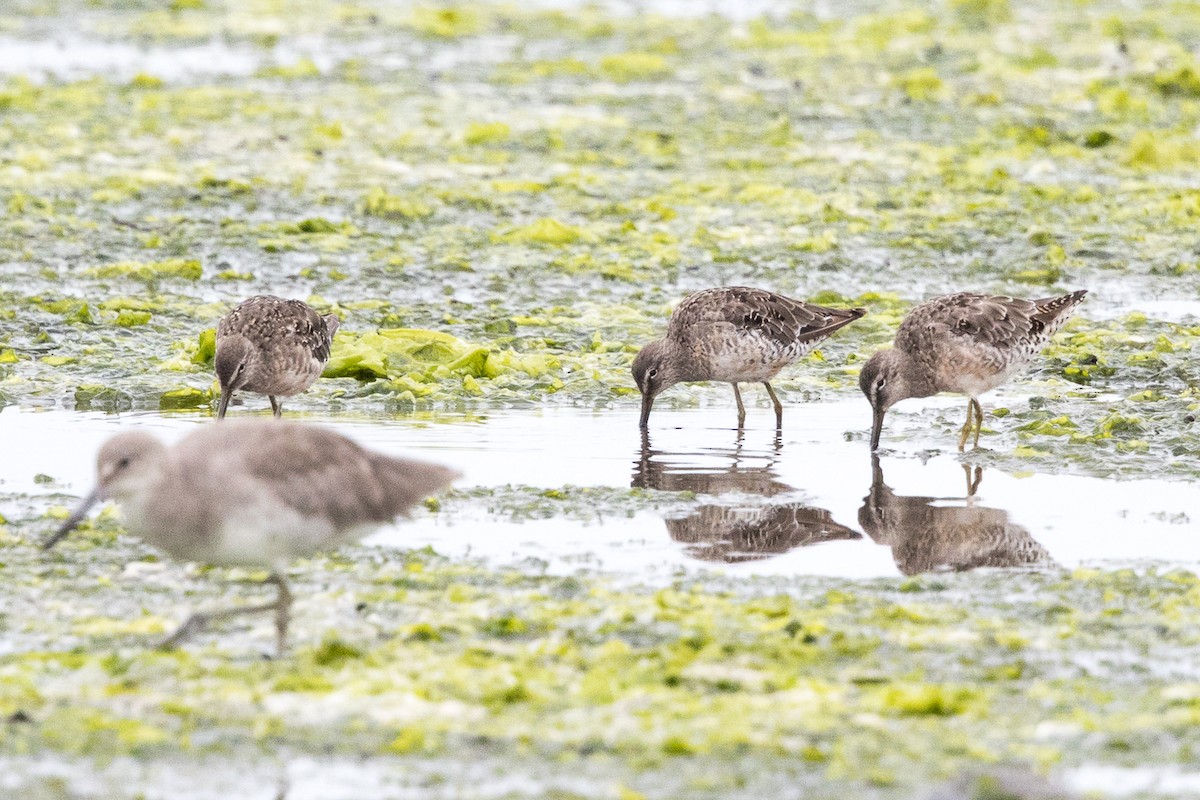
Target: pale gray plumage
{"x": 737, "y": 335}
{"x": 254, "y": 493}
{"x": 929, "y": 534}
{"x": 967, "y": 343}
{"x": 272, "y": 346}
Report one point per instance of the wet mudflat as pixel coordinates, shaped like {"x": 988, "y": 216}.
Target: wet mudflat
{"x": 501, "y": 203}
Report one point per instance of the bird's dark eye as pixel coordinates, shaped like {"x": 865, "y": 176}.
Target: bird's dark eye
{"x": 882, "y": 382}
{"x": 653, "y": 373}
{"x": 123, "y": 463}
{"x": 241, "y": 368}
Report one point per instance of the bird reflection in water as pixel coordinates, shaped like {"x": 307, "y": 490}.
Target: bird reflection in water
{"x": 739, "y": 531}
{"x": 928, "y": 535}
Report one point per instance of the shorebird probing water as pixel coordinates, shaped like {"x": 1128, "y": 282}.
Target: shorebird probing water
{"x": 737, "y": 335}
{"x": 253, "y": 493}
{"x": 271, "y": 346}
{"x": 966, "y": 343}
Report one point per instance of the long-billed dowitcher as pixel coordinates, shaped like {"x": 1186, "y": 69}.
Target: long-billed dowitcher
{"x": 966, "y": 343}
{"x": 253, "y": 493}
{"x": 737, "y": 335}
{"x": 271, "y": 346}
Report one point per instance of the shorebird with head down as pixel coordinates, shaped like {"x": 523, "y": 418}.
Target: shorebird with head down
{"x": 966, "y": 343}
{"x": 737, "y": 335}
{"x": 271, "y": 346}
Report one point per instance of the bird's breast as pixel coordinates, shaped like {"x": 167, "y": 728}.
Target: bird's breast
{"x": 285, "y": 374}
{"x": 738, "y": 356}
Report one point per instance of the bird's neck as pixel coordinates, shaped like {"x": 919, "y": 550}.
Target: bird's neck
{"x": 684, "y": 367}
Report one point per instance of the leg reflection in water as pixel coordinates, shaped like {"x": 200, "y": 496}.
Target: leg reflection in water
{"x": 929, "y": 534}
{"x": 744, "y": 529}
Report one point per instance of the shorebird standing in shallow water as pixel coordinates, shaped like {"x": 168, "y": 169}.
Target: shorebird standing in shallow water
{"x": 737, "y": 335}
{"x": 271, "y": 346}
{"x": 253, "y": 493}
{"x": 966, "y": 343}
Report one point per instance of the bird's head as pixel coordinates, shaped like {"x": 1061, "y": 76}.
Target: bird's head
{"x": 654, "y": 370}
{"x": 235, "y": 362}
{"x": 124, "y": 464}
{"x": 884, "y": 381}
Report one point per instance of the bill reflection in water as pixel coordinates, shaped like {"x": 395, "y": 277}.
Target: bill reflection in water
{"x": 928, "y": 535}
{"x": 737, "y": 531}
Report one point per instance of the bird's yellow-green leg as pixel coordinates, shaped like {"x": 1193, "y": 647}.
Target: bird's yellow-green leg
{"x": 978, "y": 420}
{"x": 966, "y": 428}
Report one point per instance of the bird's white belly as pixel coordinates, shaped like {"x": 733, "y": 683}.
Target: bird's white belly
{"x": 745, "y": 366}
{"x": 260, "y": 532}
{"x": 271, "y": 535}
{"x": 973, "y": 383}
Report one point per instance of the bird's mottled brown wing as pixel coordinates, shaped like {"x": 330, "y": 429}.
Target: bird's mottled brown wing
{"x": 780, "y": 319}
{"x": 996, "y": 320}
{"x": 264, "y": 319}
{"x": 318, "y": 472}
{"x": 1054, "y": 311}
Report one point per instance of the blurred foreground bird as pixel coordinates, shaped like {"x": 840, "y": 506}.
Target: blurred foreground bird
{"x": 253, "y": 493}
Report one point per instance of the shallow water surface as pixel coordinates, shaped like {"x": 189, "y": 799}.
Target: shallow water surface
{"x": 810, "y": 501}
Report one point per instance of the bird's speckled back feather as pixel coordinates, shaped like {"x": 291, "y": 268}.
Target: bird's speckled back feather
{"x": 964, "y": 334}
{"x": 736, "y": 333}
{"x": 265, "y": 319}
{"x": 777, "y": 318}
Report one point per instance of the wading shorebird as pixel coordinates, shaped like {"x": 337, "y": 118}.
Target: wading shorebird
{"x": 254, "y": 493}
{"x": 271, "y": 346}
{"x": 966, "y": 343}
{"x": 737, "y": 335}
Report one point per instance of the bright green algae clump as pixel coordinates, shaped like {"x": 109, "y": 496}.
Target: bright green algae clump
{"x": 411, "y": 655}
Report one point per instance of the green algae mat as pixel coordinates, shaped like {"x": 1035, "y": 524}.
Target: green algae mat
{"x": 501, "y": 202}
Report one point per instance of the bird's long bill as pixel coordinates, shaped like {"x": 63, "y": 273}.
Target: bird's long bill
{"x": 876, "y": 426}
{"x": 647, "y": 402}
{"x": 223, "y": 404}
{"x": 76, "y": 517}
